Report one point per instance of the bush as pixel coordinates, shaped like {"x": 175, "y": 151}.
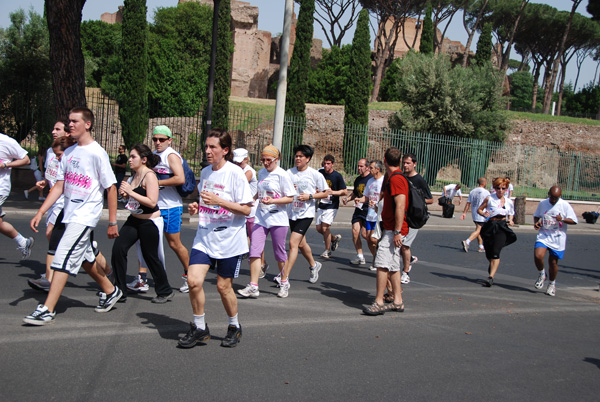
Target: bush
{"x": 521, "y": 90}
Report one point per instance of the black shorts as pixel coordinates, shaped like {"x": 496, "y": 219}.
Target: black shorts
{"x": 301, "y": 225}
{"x": 359, "y": 215}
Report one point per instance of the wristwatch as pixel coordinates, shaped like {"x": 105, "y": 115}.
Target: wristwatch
{"x": 397, "y": 232}
{"x": 310, "y": 196}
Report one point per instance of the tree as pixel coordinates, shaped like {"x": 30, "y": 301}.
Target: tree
{"x": 483, "y": 54}
{"x": 133, "y": 95}
{"x": 223, "y": 67}
{"x": 328, "y": 81}
{"x": 356, "y": 110}
{"x": 25, "y": 78}
{"x": 473, "y": 13}
{"x": 521, "y": 85}
{"x": 67, "y": 66}
{"x": 101, "y": 46}
{"x": 594, "y": 9}
{"x": 336, "y": 17}
{"x": 426, "y": 46}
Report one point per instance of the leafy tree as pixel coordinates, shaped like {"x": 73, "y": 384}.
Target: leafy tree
{"x": 389, "y": 89}
{"x": 356, "y": 110}
{"x": 133, "y": 97}
{"x": 521, "y": 85}
{"x": 474, "y": 11}
{"x": 586, "y": 101}
{"x": 426, "y": 46}
{"x": 594, "y": 9}
{"x": 223, "y": 67}
{"x": 328, "y": 81}
{"x": 484, "y": 46}
{"x": 179, "y": 53}
{"x": 101, "y": 45}
{"x": 25, "y": 78}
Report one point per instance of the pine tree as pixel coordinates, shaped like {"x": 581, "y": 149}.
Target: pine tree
{"x": 223, "y": 67}
{"x": 356, "y": 110}
{"x": 426, "y": 46}
{"x": 133, "y": 97}
{"x": 484, "y": 46}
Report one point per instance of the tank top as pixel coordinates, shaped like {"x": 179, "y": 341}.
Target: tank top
{"x": 134, "y": 206}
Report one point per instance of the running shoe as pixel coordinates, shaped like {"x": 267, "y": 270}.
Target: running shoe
{"x": 106, "y": 302}
{"x": 138, "y": 285}
{"x": 465, "y": 246}
{"x": 184, "y": 288}
{"x": 314, "y": 272}
{"x": 162, "y": 299}
{"x": 41, "y": 316}
{"x": 358, "y": 261}
{"x": 263, "y": 270}
{"x": 283, "y": 292}
{"x": 489, "y": 282}
{"x": 540, "y": 280}
{"x": 193, "y": 336}
{"x": 372, "y": 268}
{"x": 42, "y": 283}
{"x": 26, "y": 250}
{"x": 405, "y": 278}
{"x": 326, "y": 254}
{"x": 551, "y": 291}
{"x": 335, "y": 242}
{"x": 249, "y": 291}
{"x": 277, "y": 279}
{"x": 234, "y": 334}
{"x": 481, "y": 250}
{"x": 26, "y": 192}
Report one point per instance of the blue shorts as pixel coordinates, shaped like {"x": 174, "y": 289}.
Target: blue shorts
{"x": 172, "y": 219}
{"x": 226, "y": 267}
{"x": 370, "y": 225}
{"x": 554, "y": 253}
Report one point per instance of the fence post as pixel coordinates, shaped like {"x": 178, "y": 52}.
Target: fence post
{"x": 520, "y": 203}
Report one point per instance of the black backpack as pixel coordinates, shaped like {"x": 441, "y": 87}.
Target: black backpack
{"x": 186, "y": 188}
{"x": 416, "y": 214}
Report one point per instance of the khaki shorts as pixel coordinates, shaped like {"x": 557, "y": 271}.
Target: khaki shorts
{"x": 388, "y": 255}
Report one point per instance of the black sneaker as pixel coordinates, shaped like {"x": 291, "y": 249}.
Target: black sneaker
{"x": 233, "y": 336}
{"x": 108, "y": 301}
{"x": 163, "y": 299}
{"x": 489, "y": 282}
{"x": 194, "y": 336}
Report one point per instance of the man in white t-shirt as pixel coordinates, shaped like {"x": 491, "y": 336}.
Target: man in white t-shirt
{"x": 551, "y": 219}
{"x": 476, "y": 197}
{"x": 83, "y": 174}
{"x": 371, "y": 197}
{"x": 12, "y": 155}
{"x": 452, "y": 190}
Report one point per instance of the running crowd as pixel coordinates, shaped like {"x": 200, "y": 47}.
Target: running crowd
{"x": 237, "y": 209}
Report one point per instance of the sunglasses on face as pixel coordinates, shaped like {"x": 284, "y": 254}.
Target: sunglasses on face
{"x": 154, "y": 139}
{"x": 500, "y": 188}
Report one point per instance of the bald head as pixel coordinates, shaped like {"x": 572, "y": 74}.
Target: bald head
{"x": 482, "y": 181}
{"x": 554, "y": 194}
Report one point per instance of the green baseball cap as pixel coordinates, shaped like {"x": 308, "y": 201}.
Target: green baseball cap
{"x": 163, "y": 130}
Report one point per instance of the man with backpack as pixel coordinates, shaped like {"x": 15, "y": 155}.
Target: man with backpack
{"x": 409, "y": 163}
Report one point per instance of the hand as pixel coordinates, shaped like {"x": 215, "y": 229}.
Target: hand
{"x": 462, "y": 217}
{"x": 510, "y": 222}
{"x": 267, "y": 200}
{"x": 398, "y": 240}
{"x": 35, "y": 221}
{"x": 558, "y": 218}
{"x": 125, "y": 189}
{"x": 41, "y": 184}
{"x": 537, "y": 225}
{"x": 303, "y": 197}
{"x": 345, "y": 201}
{"x": 112, "y": 232}
{"x": 193, "y": 208}
{"x": 210, "y": 198}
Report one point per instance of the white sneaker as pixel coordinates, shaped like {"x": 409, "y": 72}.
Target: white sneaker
{"x": 358, "y": 261}
{"x": 185, "y": 288}
{"x": 249, "y": 291}
{"x": 314, "y": 272}
{"x": 465, "y": 246}
{"x": 263, "y": 271}
{"x": 551, "y": 291}
{"x": 326, "y": 254}
{"x": 405, "y": 278}
{"x": 540, "y": 280}
{"x": 41, "y": 316}
{"x": 481, "y": 250}
{"x": 138, "y": 285}
{"x": 26, "y": 250}
{"x": 372, "y": 268}
{"x": 283, "y": 292}
{"x": 277, "y": 280}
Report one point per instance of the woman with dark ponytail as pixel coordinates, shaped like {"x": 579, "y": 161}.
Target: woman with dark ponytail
{"x": 144, "y": 224}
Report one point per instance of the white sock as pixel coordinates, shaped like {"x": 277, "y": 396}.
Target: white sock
{"x": 254, "y": 285}
{"x": 21, "y": 241}
{"x": 362, "y": 257}
{"x": 199, "y": 321}
{"x": 234, "y": 321}
{"x": 553, "y": 283}
{"x": 481, "y": 246}
{"x": 468, "y": 242}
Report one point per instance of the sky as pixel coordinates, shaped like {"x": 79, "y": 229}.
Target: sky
{"x": 271, "y": 19}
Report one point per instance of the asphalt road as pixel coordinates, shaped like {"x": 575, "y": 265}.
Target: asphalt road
{"x": 456, "y": 341}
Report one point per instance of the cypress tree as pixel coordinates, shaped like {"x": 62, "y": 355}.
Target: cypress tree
{"x": 298, "y": 79}
{"x": 484, "y": 46}
{"x": 223, "y": 67}
{"x": 426, "y": 46}
{"x": 356, "y": 109}
{"x": 133, "y": 96}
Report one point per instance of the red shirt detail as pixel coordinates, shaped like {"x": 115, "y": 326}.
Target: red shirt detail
{"x": 398, "y": 185}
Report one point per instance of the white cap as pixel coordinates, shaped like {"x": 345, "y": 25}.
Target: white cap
{"x": 239, "y": 154}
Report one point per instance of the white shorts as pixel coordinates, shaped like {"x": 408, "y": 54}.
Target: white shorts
{"x": 74, "y": 248}
{"x": 388, "y": 255}
{"x": 410, "y": 237}
{"x": 326, "y": 216}
{"x": 2, "y": 200}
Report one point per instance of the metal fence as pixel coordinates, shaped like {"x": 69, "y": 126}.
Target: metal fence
{"x": 441, "y": 159}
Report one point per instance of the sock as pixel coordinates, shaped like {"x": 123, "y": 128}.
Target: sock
{"x": 284, "y": 282}
{"x": 255, "y": 285}
{"x": 481, "y": 246}
{"x": 553, "y": 283}
{"x": 199, "y": 321}
{"x": 362, "y": 257}
{"x": 21, "y": 241}
{"x": 468, "y": 242}
{"x": 234, "y": 321}
{"x": 144, "y": 276}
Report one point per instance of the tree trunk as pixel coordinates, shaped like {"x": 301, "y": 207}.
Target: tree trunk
{"x": 536, "y": 77}
{"x": 506, "y": 55}
{"x": 555, "y": 65}
{"x": 66, "y": 57}
{"x": 386, "y": 48}
{"x": 472, "y": 33}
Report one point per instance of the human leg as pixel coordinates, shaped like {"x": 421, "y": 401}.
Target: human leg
{"x": 174, "y": 240}
{"x": 128, "y": 236}
{"x": 149, "y": 233}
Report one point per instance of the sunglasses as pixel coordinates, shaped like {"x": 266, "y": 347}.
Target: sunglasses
{"x": 154, "y": 139}
{"x": 500, "y": 188}
{"x": 263, "y": 160}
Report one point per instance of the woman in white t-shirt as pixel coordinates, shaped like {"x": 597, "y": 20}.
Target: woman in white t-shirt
{"x": 220, "y": 242}
{"x": 495, "y": 232}
{"x": 275, "y": 190}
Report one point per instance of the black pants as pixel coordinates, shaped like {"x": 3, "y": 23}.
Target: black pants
{"x": 496, "y": 235}
{"x": 147, "y": 233}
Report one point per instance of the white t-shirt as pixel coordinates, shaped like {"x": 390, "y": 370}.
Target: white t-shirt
{"x": 495, "y": 209}
{"x": 476, "y": 197}
{"x": 9, "y": 150}
{"x": 222, "y": 234}
{"x": 275, "y": 184}
{"x": 372, "y": 192}
{"x": 308, "y": 181}
{"x": 253, "y": 188}
{"x": 52, "y": 166}
{"x": 451, "y": 191}
{"x": 168, "y": 197}
{"x": 553, "y": 233}
{"x": 86, "y": 172}
{"x": 49, "y": 154}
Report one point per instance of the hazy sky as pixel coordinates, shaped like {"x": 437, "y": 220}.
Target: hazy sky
{"x": 271, "y": 19}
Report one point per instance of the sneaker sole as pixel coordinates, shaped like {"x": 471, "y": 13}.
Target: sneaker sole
{"x": 37, "y": 323}
{"x": 138, "y": 290}
{"x": 249, "y": 296}
{"x": 109, "y": 307}
{"x": 191, "y": 345}
{"x": 164, "y": 300}
{"x": 37, "y": 287}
